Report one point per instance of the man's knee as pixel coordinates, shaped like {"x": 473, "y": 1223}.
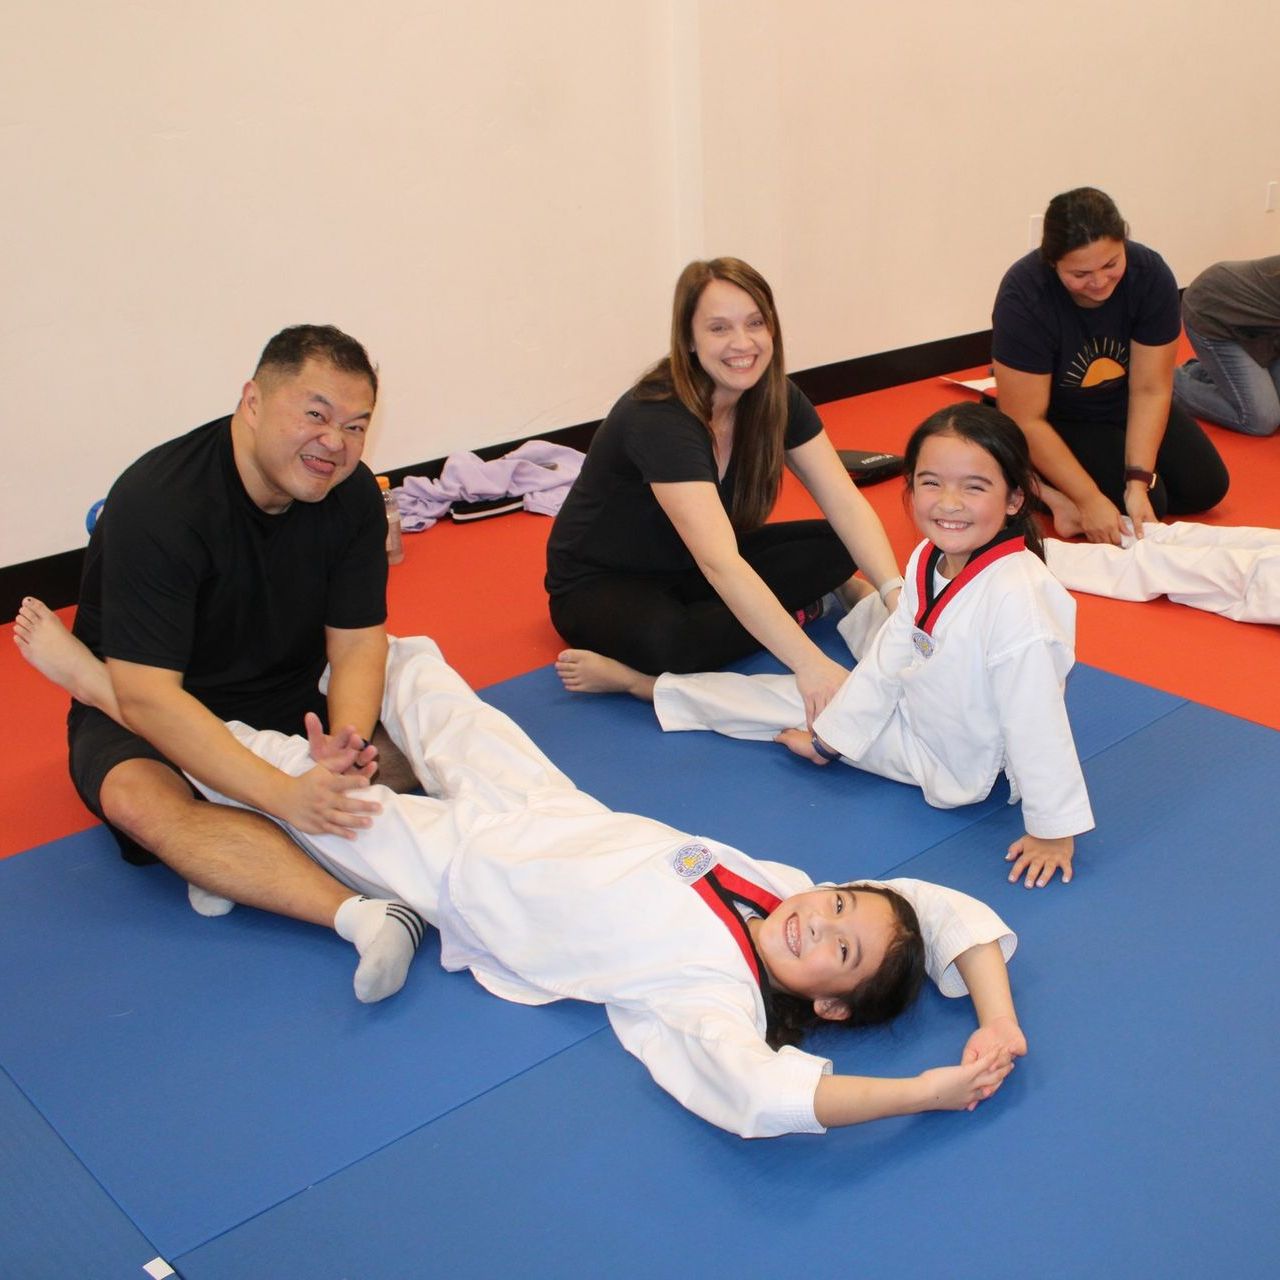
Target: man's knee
{"x": 144, "y": 798}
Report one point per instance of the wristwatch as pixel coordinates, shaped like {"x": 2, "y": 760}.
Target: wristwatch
{"x": 1138, "y": 473}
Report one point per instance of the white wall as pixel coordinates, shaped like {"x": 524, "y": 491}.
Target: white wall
{"x": 496, "y": 195}
{"x": 903, "y": 148}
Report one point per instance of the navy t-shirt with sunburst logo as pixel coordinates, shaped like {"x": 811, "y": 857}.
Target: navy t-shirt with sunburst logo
{"x": 1037, "y": 328}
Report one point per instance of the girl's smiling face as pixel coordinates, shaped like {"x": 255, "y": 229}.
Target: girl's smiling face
{"x": 821, "y": 944}
{"x": 959, "y": 498}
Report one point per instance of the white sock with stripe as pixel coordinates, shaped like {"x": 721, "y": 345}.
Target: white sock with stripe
{"x": 386, "y": 934}
{"x": 206, "y": 903}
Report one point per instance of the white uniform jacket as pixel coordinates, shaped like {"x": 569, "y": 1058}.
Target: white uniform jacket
{"x": 988, "y": 696}
{"x": 983, "y": 691}
{"x": 543, "y": 893}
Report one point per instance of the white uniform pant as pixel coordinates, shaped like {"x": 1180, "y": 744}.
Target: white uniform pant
{"x": 756, "y": 708}
{"x": 1233, "y": 572}
{"x": 474, "y": 760}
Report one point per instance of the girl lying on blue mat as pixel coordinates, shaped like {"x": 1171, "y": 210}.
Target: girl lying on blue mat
{"x": 963, "y": 679}
{"x": 710, "y": 964}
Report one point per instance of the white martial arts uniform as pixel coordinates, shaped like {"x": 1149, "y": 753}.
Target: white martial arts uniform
{"x": 1231, "y": 571}
{"x": 983, "y": 691}
{"x": 543, "y": 893}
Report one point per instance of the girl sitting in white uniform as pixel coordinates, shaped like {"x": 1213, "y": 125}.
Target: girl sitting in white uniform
{"x": 964, "y": 679}
{"x": 710, "y": 964}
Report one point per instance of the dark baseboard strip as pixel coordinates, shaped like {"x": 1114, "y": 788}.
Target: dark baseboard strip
{"x": 56, "y": 579}
{"x": 892, "y": 368}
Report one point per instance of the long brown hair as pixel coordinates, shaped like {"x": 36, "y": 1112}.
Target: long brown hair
{"x": 760, "y": 416}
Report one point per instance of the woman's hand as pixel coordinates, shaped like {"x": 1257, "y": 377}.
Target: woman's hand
{"x": 1100, "y": 519}
{"x": 819, "y": 681}
{"x": 1137, "y": 503}
{"x": 962, "y": 1088}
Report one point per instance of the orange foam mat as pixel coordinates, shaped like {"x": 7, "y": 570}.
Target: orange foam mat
{"x": 477, "y": 588}
{"x": 1227, "y": 665}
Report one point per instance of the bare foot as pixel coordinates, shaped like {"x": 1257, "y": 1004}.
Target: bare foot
{"x": 851, "y": 592}
{"x": 800, "y": 741}
{"x": 47, "y": 645}
{"x": 582, "y": 671}
{"x": 1065, "y": 513}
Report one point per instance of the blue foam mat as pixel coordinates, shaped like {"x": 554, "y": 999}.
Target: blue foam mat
{"x": 208, "y": 1070}
{"x": 835, "y": 822}
{"x": 203, "y": 1070}
{"x": 1137, "y": 1139}
{"x": 57, "y": 1222}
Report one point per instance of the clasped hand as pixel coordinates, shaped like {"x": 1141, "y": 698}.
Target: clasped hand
{"x": 326, "y": 800}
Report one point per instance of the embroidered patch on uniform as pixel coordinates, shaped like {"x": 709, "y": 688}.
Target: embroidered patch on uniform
{"x": 924, "y": 643}
{"x": 691, "y": 860}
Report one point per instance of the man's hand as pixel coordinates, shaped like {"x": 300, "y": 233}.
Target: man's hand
{"x": 344, "y": 752}
{"x": 1039, "y": 859}
{"x": 324, "y": 803}
{"x": 1002, "y": 1034}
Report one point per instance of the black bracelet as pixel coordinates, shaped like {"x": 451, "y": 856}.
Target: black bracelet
{"x": 822, "y": 749}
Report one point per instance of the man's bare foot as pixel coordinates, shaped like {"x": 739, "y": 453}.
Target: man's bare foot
{"x": 582, "y": 671}
{"x": 800, "y": 741}
{"x": 47, "y": 645}
{"x": 1064, "y": 512}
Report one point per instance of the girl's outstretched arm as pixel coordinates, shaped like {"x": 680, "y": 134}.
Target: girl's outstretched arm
{"x": 984, "y": 973}
{"x": 842, "y": 1100}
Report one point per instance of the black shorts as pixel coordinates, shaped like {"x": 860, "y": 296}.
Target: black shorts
{"x": 96, "y": 744}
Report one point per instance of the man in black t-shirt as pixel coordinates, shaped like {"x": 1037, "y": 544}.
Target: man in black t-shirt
{"x": 228, "y": 567}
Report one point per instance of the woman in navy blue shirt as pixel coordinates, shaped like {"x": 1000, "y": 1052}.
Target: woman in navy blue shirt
{"x": 1084, "y": 346}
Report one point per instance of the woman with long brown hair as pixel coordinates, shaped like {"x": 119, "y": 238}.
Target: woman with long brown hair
{"x": 661, "y": 557}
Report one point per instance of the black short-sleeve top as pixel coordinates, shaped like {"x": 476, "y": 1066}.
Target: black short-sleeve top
{"x": 1037, "y": 328}
{"x": 186, "y": 573}
{"x": 611, "y": 522}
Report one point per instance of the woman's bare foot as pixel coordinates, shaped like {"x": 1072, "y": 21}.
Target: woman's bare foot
{"x": 582, "y": 671}
{"x": 54, "y": 652}
{"x": 800, "y": 741}
{"x": 849, "y": 593}
{"x": 1064, "y": 513}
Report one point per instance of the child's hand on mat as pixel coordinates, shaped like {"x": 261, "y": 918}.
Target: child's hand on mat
{"x": 962, "y": 1088}
{"x": 1002, "y": 1033}
{"x": 342, "y": 752}
{"x": 324, "y": 803}
{"x": 1038, "y": 859}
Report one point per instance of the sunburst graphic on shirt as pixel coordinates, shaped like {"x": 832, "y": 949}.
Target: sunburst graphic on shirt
{"x": 1099, "y": 360}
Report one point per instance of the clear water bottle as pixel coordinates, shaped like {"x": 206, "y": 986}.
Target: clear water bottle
{"x": 395, "y": 535}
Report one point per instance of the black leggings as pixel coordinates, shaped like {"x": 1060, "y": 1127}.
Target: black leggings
{"x": 1192, "y": 477}
{"x": 676, "y": 622}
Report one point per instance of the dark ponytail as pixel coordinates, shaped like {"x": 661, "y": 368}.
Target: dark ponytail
{"x": 1077, "y": 218}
